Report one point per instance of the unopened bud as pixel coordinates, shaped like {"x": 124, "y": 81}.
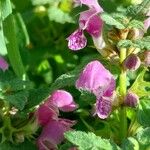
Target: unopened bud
{"x": 131, "y": 99}
{"x": 135, "y": 34}
{"x": 132, "y": 62}
{"x": 145, "y": 58}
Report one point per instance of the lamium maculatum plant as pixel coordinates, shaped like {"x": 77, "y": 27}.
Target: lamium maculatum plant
{"x": 103, "y": 104}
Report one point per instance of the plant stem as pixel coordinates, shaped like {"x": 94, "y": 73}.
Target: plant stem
{"x": 122, "y": 92}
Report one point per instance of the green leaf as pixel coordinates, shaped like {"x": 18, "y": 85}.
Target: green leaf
{"x": 63, "y": 81}
{"x": 140, "y": 87}
{"x": 6, "y": 9}
{"x": 18, "y": 100}
{"x": 135, "y": 10}
{"x": 12, "y": 46}
{"x": 36, "y": 96}
{"x": 125, "y": 44}
{"x": 89, "y": 141}
{"x": 144, "y": 112}
{"x": 130, "y": 144}
{"x": 136, "y": 24}
{"x": 112, "y": 21}
{"x": 23, "y": 146}
{"x": 143, "y": 136}
{"x": 15, "y": 85}
{"x": 143, "y": 43}
{"x": 57, "y": 15}
{"x": 3, "y": 50}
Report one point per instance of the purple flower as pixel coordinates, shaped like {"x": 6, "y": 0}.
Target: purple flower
{"x": 103, "y": 107}
{"x": 92, "y": 4}
{"x": 97, "y": 79}
{"x": 53, "y": 133}
{"x": 131, "y": 99}
{"x": 3, "y": 64}
{"x": 91, "y": 22}
{"x": 88, "y": 21}
{"x": 63, "y": 100}
{"x": 45, "y": 113}
{"x": 77, "y": 40}
{"x": 132, "y": 62}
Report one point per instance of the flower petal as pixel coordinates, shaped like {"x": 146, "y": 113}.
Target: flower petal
{"x": 46, "y": 113}
{"x": 91, "y": 22}
{"x": 94, "y": 78}
{"x": 53, "y": 134}
{"x": 77, "y": 40}
{"x": 92, "y": 4}
{"x": 63, "y": 100}
{"x": 103, "y": 107}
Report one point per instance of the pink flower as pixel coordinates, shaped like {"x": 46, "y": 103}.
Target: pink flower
{"x": 3, "y": 64}
{"x": 45, "y": 113}
{"x": 88, "y": 21}
{"x": 92, "y": 4}
{"x": 53, "y": 126}
{"x": 97, "y": 79}
{"x": 63, "y": 100}
{"x": 53, "y": 133}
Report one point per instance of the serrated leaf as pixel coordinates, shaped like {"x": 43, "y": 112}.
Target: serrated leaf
{"x": 144, "y": 112}
{"x": 15, "y": 85}
{"x": 63, "y": 81}
{"x": 140, "y": 87}
{"x": 112, "y": 21}
{"x": 36, "y": 96}
{"x": 135, "y": 10}
{"x": 88, "y": 141}
{"x": 57, "y": 15}
{"x": 125, "y": 44}
{"x": 143, "y": 43}
{"x": 136, "y": 24}
{"x": 143, "y": 136}
{"x": 130, "y": 144}
{"x": 18, "y": 100}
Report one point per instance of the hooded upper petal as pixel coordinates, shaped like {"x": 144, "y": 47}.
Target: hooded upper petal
{"x": 91, "y": 22}
{"x": 95, "y": 78}
{"x": 92, "y": 4}
{"x": 53, "y": 133}
{"x": 3, "y": 64}
{"x": 77, "y": 40}
{"x": 63, "y": 100}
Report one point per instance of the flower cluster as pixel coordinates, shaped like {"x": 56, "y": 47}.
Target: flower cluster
{"x": 53, "y": 126}
{"x": 97, "y": 79}
{"x": 90, "y": 22}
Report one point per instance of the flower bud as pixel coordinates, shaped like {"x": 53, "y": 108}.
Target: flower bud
{"x": 132, "y": 62}
{"x": 135, "y": 34}
{"x": 131, "y": 99}
{"x": 145, "y": 58}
